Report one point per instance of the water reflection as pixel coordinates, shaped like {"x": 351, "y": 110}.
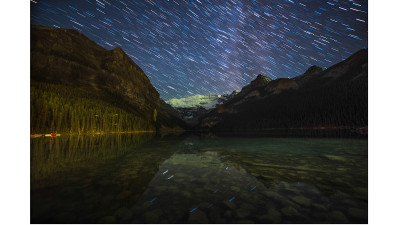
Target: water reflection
{"x": 84, "y": 190}
{"x": 212, "y": 180}
{"x": 50, "y": 156}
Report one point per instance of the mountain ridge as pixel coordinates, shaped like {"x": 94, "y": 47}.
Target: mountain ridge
{"x": 335, "y": 97}
{"x": 67, "y": 57}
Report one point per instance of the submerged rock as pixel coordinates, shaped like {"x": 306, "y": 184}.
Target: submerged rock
{"x": 153, "y": 216}
{"x": 290, "y": 211}
{"x": 244, "y": 221}
{"x": 228, "y": 214}
{"x": 198, "y": 191}
{"x": 107, "y": 220}
{"x": 272, "y": 216}
{"x": 123, "y": 195}
{"x": 121, "y": 212}
{"x": 65, "y": 217}
{"x": 186, "y": 194}
{"x": 357, "y": 213}
{"x": 302, "y": 200}
{"x": 319, "y": 207}
{"x": 338, "y": 217}
{"x": 272, "y": 194}
{"x": 161, "y": 188}
{"x": 219, "y": 220}
{"x": 234, "y": 188}
{"x": 198, "y": 216}
{"x": 336, "y": 157}
{"x": 231, "y": 205}
{"x": 243, "y": 213}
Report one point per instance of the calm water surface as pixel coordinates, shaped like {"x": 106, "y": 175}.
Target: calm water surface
{"x": 193, "y": 179}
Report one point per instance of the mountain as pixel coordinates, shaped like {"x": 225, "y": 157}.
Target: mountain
{"x": 79, "y": 86}
{"x": 318, "y": 99}
{"x": 195, "y": 101}
{"x": 193, "y": 107}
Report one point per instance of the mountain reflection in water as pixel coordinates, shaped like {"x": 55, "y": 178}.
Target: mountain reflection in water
{"x": 207, "y": 180}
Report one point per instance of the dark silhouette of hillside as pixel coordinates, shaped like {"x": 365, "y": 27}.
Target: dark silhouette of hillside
{"x": 335, "y": 98}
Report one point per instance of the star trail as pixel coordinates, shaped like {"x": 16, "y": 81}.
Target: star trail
{"x": 215, "y": 47}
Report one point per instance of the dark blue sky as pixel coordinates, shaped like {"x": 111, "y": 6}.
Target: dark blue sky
{"x": 215, "y": 47}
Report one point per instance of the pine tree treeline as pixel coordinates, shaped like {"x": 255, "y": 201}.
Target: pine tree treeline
{"x": 63, "y": 109}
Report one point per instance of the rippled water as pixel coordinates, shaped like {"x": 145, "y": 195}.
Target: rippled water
{"x": 193, "y": 179}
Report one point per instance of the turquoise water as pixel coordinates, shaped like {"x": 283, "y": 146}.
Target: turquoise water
{"x": 198, "y": 179}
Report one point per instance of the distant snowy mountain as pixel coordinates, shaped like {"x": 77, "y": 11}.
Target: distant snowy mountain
{"x": 193, "y": 107}
{"x": 196, "y": 101}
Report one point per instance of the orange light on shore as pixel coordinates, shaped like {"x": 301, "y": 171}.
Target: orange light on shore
{"x": 45, "y": 135}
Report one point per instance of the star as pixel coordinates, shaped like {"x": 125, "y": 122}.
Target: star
{"x": 215, "y": 47}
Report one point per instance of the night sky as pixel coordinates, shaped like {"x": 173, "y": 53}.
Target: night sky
{"x": 215, "y": 47}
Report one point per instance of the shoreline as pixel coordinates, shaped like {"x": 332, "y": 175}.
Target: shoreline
{"x": 301, "y": 131}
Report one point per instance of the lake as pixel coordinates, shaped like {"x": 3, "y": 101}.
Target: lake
{"x": 144, "y": 178}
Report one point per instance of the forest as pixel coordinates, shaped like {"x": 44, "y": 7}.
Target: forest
{"x": 65, "y": 109}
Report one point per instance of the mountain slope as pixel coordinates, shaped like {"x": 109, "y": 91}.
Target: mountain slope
{"x": 335, "y": 98}
{"x": 71, "y": 60}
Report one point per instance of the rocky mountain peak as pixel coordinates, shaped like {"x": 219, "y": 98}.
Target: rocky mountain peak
{"x": 260, "y": 81}
{"x": 235, "y": 92}
{"x": 310, "y": 72}
{"x": 118, "y": 49}
{"x": 118, "y": 52}
{"x": 313, "y": 70}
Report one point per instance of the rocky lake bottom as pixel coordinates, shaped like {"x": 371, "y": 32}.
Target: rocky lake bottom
{"x": 198, "y": 179}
